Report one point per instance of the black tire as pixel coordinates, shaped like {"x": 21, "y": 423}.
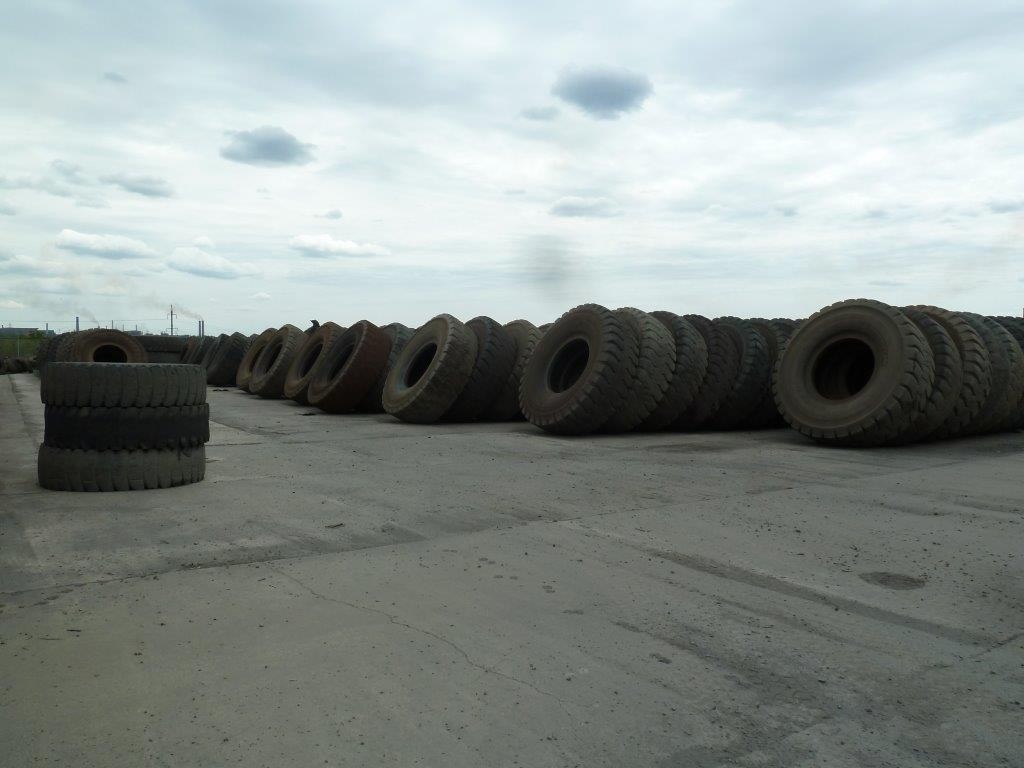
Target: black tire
{"x": 495, "y": 358}
{"x": 188, "y": 354}
{"x": 271, "y": 367}
{"x": 350, "y": 368}
{"x": 949, "y": 379}
{"x": 776, "y": 333}
{"x": 54, "y": 348}
{"x": 399, "y": 336}
{"x": 112, "y": 385}
{"x": 210, "y": 351}
{"x": 224, "y": 362}
{"x": 127, "y": 429}
{"x": 244, "y": 376}
{"x": 202, "y": 353}
{"x": 315, "y": 351}
{"x": 163, "y": 349}
{"x": 654, "y": 369}
{"x": 581, "y": 371}
{"x": 101, "y": 345}
{"x": 753, "y": 380}
{"x": 76, "y": 470}
{"x": 690, "y": 368}
{"x": 1015, "y": 325}
{"x": 977, "y": 371}
{"x": 723, "y": 365}
{"x": 41, "y": 350}
{"x": 431, "y": 371}
{"x": 1007, "y": 363}
{"x": 857, "y": 373}
{"x": 506, "y": 405}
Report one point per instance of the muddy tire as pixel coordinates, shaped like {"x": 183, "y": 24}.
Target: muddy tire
{"x": 244, "y": 375}
{"x": 75, "y": 470}
{"x": 431, "y": 371}
{"x": 776, "y": 334}
{"x": 315, "y": 350}
{"x": 224, "y": 362}
{"x": 113, "y": 385}
{"x": 495, "y": 358}
{"x": 101, "y": 345}
{"x": 856, "y": 373}
{"x": 506, "y": 405}
{"x": 723, "y": 366}
{"x": 691, "y": 365}
{"x": 654, "y": 369}
{"x": 350, "y": 368}
{"x": 1015, "y": 325}
{"x": 271, "y": 367}
{"x": 127, "y": 429}
{"x": 580, "y": 372}
{"x": 753, "y": 380}
{"x": 1007, "y": 364}
{"x": 399, "y": 336}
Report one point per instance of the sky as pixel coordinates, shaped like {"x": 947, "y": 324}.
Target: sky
{"x": 261, "y": 163}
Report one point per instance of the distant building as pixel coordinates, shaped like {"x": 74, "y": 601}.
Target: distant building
{"x": 8, "y": 332}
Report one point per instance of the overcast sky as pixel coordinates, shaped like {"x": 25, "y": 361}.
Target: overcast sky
{"x": 258, "y": 164}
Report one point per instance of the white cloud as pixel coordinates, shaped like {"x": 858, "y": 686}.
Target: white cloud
{"x": 203, "y": 242}
{"x": 585, "y": 207}
{"x": 147, "y": 186}
{"x": 103, "y": 246}
{"x": 11, "y": 304}
{"x": 195, "y": 261}
{"x": 261, "y": 296}
{"x": 6, "y": 209}
{"x": 323, "y": 246}
{"x": 334, "y": 213}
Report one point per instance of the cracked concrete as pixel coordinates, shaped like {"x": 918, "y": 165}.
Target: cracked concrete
{"x": 355, "y": 591}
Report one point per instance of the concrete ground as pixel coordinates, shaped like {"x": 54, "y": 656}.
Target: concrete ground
{"x": 354, "y": 591}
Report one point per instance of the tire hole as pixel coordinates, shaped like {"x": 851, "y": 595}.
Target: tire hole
{"x": 309, "y": 360}
{"x": 420, "y": 364}
{"x": 269, "y": 357}
{"x": 109, "y": 353}
{"x": 568, "y": 365}
{"x": 343, "y": 355}
{"x": 843, "y": 369}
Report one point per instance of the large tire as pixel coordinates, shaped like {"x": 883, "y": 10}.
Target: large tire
{"x": 1015, "y": 325}
{"x": 188, "y": 354}
{"x": 41, "y": 351}
{"x": 776, "y": 334}
{"x": 506, "y": 405}
{"x": 75, "y": 470}
{"x": 654, "y": 369}
{"x": 753, "y": 376}
{"x": 224, "y": 362}
{"x": 495, "y": 358}
{"x": 399, "y": 336}
{"x": 162, "y": 349}
{"x": 723, "y": 366}
{"x": 1007, "y": 362}
{"x": 350, "y": 368}
{"x": 431, "y": 371}
{"x": 203, "y": 351}
{"x": 977, "y": 371}
{"x": 315, "y": 351}
{"x": 581, "y": 371}
{"x": 102, "y": 345}
{"x": 252, "y": 353}
{"x": 856, "y": 373}
{"x": 211, "y": 351}
{"x": 53, "y": 350}
{"x": 112, "y": 385}
{"x": 691, "y": 365}
{"x": 127, "y": 429}
{"x": 271, "y": 367}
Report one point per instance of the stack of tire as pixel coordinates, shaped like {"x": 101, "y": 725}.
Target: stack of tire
{"x": 96, "y": 345}
{"x": 861, "y": 373}
{"x": 111, "y": 427}
{"x": 162, "y": 349}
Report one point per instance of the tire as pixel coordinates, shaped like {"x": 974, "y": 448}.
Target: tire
{"x": 41, "y": 350}
{"x": 690, "y": 368}
{"x": 162, "y": 349}
{"x": 1007, "y": 362}
{"x": 53, "y": 349}
{"x": 857, "y": 373}
{"x": 580, "y": 373}
{"x": 75, "y": 470}
{"x": 127, "y": 429}
{"x": 316, "y": 349}
{"x": 399, "y": 336}
{"x": 188, "y": 354}
{"x": 350, "y": 368}
{"x": 977, "y": 371}
{"x": 210, "y": 351}
{"x": 431, "y": 371}
{"x": 102, "y": 345}
{"x": 723, "y": 367}
{"x": 244, "y": 375}
{"x": 949, "y": 379}
{"x": 495, "y": 358}
{"x": 776, "y": 334}
{"x": 271, "y": 367}
{"x": 1015, "y": 325}
{"x": 654, "y": 369}
{"x": 753, "y": 377}
{"x": 113, "y": 385}
{"x": 505, "y": 407}
{"x": 225, "y": 361}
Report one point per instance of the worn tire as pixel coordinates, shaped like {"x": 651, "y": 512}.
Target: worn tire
{"x": 114, "y": 385}
{"x": 126, "y": 429}
{"x": 315, "y": 351}
{"x": 1015, "y": 325}
{"x": 1007, "y": 363}
{"x": 244, "y": 375}
{"x": 210, "y": 351}
{"x": 431, "y": 371}
{"x": 399, "y": 336}
{"x": 188, "y": 353}
{"x": 753, "y": 376}
{"x": 776, "y": 333}
{"x": 101, "y": 345}
{"x": 723, "y": 365}
{"x": 691, "y": 364}
{"x": 654, "y": 369}
{"x": 271, "y": 367}
{"x": 224, "y": 362}
{"x": 506, "y": 405}
{"x": 580, "y": 372}
{"x": 162, "y": 349}
{"x": 495, "y": 358}
{"x": 856, "y": 373}
{"x": 75, "y": 470}
{"x": 350, "y": 368}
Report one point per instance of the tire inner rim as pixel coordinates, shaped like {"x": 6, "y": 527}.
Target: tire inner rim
{"x": 109, "y": 353}
{"x": 339, "y": 362}
{"x": 843, "y": 368}
{"x": 275, "y": 352}
{"x": 568, "y": 365}
{"x": 310, "y": 359}
{"x": 419, "y": 364}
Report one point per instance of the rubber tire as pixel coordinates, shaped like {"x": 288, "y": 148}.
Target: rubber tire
{"x": 271, "y": 367}
{"x": 211, "y": 350}
{"x": 206, "y": 344}
{"x": 224, "y": 362}
{"x": 723, "y": 365}
{"x": 41, "y": 352}
{"x": 314, "y": 352}
{"x": 890, "y": 400}
{"x": 83, "y": 347}
{"x": 244, "y": 375}
{"x": 690, "y": 368}
{"x": 351, "y": 367}
{"x": 1007, "y": 362}
{"x": 977, "y": 371}
{"x": 586, "y": 398}
{"x": 75, "y": 470}
{"x": 1015, "y": 325}
{"x": 495, "y": 359}
{"x": 420, "y": 390}
{"x": 163, "y": 349}
{"x": 753, "y": 377}
{"x": 654, "y": 369}
{"x": 505, "y": 407}
{"x": 399, "y": 335}
{"x": 127, "y": 429}
{"x": 114, "y": 385}
{"x": 776, "y": 333}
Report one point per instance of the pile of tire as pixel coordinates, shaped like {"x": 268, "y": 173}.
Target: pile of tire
{"x": 111, "y": 427}
{"x": 95, "y": 345}
{"x": 16, "y": 365}
{"x": 861, "y": 373}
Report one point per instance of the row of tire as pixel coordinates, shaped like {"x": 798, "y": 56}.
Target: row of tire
{"x": 16, "y": 365}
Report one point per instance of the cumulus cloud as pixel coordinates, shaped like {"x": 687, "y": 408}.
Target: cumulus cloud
{"x": 203, "y": 242}
{"x": 11, "y": 304}
{"x": 19, "y": 264}
{"x": 334, "y": 213}
{"x": 115, "y": 77}
{"x": 148, "y": 186}
{"x": 267, "y": 145}
{"x": 103, "y": 246}
{"x": 585, "y": 207}
{"x": 195, "y": 261}
{"x": 542, "y": 114}
{"x": 603, "y": 92}
{"x": 324, "y": 246}
{"x": 6, "y": 209}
